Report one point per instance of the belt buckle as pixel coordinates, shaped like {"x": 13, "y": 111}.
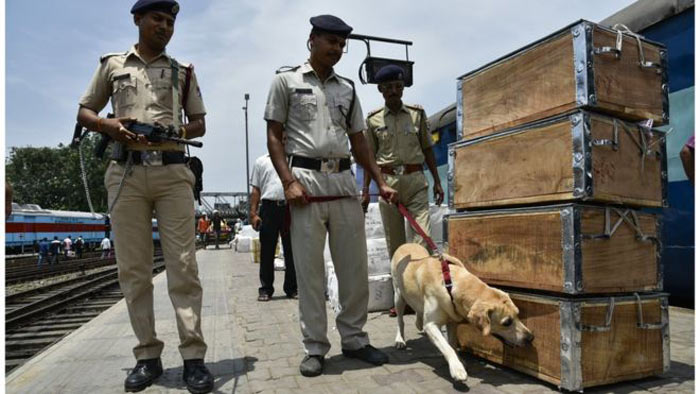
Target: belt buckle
{"x": 152, "y": 158}
{"x": 399, "y": 170}
{"x": 330, "y": 165}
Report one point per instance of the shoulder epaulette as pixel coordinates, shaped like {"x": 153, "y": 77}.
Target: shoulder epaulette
{"x": 285, "y": 69}
{"x": 108, "y": 55}
{"x": 376, "y": 111}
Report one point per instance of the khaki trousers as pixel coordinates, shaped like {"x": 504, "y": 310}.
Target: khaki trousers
{"x": 343, "y": 220}
{"x": 413, "y": 194}
{"x": 168, "y": 191}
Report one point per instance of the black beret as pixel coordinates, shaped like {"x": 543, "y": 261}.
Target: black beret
{"x": 390, "y": 72}
{"x": 330, "y": 24}
{"x": 168, "y": 6}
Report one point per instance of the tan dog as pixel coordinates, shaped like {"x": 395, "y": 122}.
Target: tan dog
{"x": 418, "y": 282}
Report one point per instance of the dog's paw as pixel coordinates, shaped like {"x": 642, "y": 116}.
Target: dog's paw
{"x": 458, "y": 373}
{"x": 400, "y": 344}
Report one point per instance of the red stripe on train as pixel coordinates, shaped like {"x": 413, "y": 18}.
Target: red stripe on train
{"x": 52, "y": 227}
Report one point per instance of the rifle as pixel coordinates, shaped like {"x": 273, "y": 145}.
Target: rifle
{"x": 159, "y": 133}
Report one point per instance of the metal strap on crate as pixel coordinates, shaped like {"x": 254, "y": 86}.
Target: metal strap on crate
{"x": 617, "y": 51}
{"x": 608, "y": 320}
{"x": 640, "y": 318}
{"x": 628, "y": 216}
{"x": 645, "y": 148}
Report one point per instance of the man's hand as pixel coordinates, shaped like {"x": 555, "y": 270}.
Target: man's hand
{"x": 114, "y": 127}
{"x": 365, "y": 200}
{"x": 438, "y": 194}
{"x": 255, "y": 221}
{"x": 388, "y": 193}
{"x": 295, "y": 193}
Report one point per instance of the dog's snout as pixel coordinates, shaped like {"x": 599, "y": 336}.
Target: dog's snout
{"x": 529, "y": 337}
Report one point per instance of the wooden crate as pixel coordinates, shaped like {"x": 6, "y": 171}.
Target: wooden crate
{"x": 577, "y": 156}
{"x": 572, "y": 68}
{"x": 571, "y": 248}
{"x": 582, "y": 343}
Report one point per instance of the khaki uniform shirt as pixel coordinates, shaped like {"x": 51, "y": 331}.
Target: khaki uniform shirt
{"x": 142, "y": 91}
{"x": 398, "y": 138}
{"x": 314, "y": 114}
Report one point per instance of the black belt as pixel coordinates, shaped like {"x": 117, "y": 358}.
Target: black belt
{"x": 169, "y": 157}
{"x": 325, "y": 165}
{"x": 277, "y": 203}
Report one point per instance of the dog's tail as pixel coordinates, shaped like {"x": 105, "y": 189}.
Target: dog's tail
{"x": 453, "y": 260}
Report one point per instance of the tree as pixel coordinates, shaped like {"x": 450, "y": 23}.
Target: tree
{"x": 51, "y": 177}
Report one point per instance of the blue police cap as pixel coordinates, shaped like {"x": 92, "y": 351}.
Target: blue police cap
{"x": 168, "y": 6}
{"x": 390, "y": 72}
{"x": 330, "y": 24}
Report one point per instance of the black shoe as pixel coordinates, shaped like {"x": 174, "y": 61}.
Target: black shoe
{"x": 294, "y": 295}
{"x": 311, "y": 366}
{"x": 369, "y": 354}
{"x": 198, "y": 378}
{"x": 143, "y": 375}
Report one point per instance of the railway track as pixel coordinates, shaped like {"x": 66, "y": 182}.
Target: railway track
{"x": 27, "y": 271}
{"x": 37, "y": 318}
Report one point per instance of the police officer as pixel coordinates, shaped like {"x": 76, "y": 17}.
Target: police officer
{"x": 146, "y": 84}
{"x": 320, "y": 112}
{"x": 398, "y": 136}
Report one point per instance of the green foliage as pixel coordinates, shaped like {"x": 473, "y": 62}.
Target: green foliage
{"x": 51, "y": 177}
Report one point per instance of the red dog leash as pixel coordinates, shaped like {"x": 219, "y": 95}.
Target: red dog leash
{"x": 416, "y": 227}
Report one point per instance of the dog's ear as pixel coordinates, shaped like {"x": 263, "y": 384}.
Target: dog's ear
{"x": 479, "y": 316}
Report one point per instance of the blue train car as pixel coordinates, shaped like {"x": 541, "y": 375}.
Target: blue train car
{"x": 672, "y": 23}
{"x": 28, "y": 224}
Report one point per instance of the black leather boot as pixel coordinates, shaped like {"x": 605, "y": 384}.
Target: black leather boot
{"x": 143, "y": 375}
{"x": 197, "y": 377}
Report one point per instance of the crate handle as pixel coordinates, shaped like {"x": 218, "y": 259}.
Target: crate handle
{"x": 617, "y": 51}
{"x": 608, "y": 320}
{"x": 640, "y": 318}
{"x": 628, "y": 216}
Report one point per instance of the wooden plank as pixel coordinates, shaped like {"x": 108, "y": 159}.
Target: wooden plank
{"x": 619, "y": 174}
{"x": 623, "y": 88}
{"x": 519, "y": 250}
{"x": 621, "y": 263}
{"x": 626, "y": 351}
{"x": 530, "y": 166}
{"x": 527, "y": 86}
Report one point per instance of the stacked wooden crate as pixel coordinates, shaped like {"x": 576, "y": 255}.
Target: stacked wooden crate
{"x": 547, "y": 183}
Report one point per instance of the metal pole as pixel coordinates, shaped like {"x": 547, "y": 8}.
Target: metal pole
{"x": 247, "y": 170}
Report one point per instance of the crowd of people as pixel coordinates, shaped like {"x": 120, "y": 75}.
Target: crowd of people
{"x": 51, "y": 252}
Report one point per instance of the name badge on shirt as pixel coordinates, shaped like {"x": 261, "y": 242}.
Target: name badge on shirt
{"x": 303, "y": 91}
{"x": 120, "y": 77}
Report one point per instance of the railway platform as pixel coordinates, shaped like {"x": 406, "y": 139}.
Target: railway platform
{"x": 255, "y": 347}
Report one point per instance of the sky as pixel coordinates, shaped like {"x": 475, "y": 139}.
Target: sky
{"x": 52, "y": 49}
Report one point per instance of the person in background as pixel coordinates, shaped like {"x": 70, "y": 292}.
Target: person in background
{"x": 106, "y": 246}
{"x": 55, "y": 250}
{"x": 202, "y": 227}
{"x": 43, "y": 251}
{"x": 268, "y": 188}
{"x": 687, "y": 156}
{"x": 67, "y": 245}
{"x": 216, "y": 227}
{"x": 79, "y": 243}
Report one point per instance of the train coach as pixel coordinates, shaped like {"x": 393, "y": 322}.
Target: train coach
{"x": 29, "y": 223}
